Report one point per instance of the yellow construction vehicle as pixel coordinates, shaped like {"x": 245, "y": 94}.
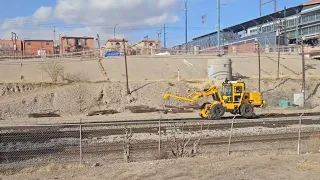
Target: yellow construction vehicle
{"x": 233, "y": 99}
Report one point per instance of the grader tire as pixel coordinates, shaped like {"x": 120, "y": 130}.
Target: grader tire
{"x": 247, "y": 111}
{"x": 217, "y": 111}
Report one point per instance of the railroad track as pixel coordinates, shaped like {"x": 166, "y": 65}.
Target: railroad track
{"x": 110, "y": 148}
{"x": 43, "y": 134}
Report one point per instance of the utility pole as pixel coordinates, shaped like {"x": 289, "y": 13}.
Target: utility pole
{"x": 126, "y": 66}
{"x": 204, "y": 21}
{"x": 54, "y": 41}
{"x": 13, "y": 34}
{"x": 259, "y": 64}
{"x": 297, "y": 26}
{"x": 285, "y": 26}
{"x": 98, "y": 41}
{"x": 279, "y": 42}
{"x": 114, "y": 31}
{"x": 303, "y": 73}
{"x": 164, "y": 36}
{"x": 264, "y": 3}
{"x": 186, "y": 12}
{"x": 218, "y": 35}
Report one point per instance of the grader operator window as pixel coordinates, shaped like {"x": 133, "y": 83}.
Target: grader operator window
{"x": 237, "y": 93}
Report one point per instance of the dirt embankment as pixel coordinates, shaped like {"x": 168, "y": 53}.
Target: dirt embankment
{"x": 19, "y": 100}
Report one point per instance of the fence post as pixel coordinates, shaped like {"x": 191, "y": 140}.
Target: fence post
{"x": 80, "y": 135}
{"x": 230, "y": 136}
{"x": 299, "y": 135}
{"x": 159, "y": 145}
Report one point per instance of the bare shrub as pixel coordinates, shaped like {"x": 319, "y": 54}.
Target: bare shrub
{"x": 53, "y": 69}
{"x": 76, "y": 77}
{"x": 179, "y": 147}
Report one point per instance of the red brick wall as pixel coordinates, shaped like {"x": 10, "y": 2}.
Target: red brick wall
{"x": 243, "y": 48}
{"x": 31, "y": 47}
{"x": 6, "y": 47}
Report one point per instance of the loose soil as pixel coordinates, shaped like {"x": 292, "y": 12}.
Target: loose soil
{"x": 232, "y": 167}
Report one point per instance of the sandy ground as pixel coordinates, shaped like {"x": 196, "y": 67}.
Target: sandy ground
{"x": 249, "y": 167}
{"x": 143, "y": 68}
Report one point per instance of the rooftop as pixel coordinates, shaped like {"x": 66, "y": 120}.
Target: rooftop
{"x": 77, "y": 37}
{"x": 117, "y": 40}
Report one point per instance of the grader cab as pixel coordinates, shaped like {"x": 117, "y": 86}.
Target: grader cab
{"x": 233, "y": 99}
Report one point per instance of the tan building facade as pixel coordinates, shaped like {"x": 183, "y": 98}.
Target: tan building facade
{"x": 69, "y": 44}
{"x": 147, "y": 47}
{"x": 116, "y": 45}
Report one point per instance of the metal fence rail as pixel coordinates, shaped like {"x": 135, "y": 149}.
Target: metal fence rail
{"x": 21, "y": 146}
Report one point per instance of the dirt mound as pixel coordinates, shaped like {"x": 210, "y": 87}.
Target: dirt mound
{"x": 85, "y": 97}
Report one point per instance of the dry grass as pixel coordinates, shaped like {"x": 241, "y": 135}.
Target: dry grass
{"x": 313, "y": 144}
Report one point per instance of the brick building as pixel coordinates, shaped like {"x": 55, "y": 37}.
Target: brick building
{"x": 71, "y": 44}
{"x": 37, "y": 47}
{"x": 10, "y": 47}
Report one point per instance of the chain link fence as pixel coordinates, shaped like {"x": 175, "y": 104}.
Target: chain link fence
{"x": 36, "y": 145}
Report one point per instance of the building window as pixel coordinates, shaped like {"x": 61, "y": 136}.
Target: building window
{"x": 29, "y": 43}
{"x": 85, "y": 42}
{"x": 312, "y": 30}
{"x": 304, "y": 31}
{"x": 118, "y": 44}
{"x": 67, "y": 41}
{"x": 47, "y": 43}
{"x": 312, "y": 17}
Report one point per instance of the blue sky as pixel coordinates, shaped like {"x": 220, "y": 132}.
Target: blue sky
{"x": 138, "y": 20}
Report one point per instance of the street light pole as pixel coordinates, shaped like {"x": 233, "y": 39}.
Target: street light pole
{"x": 186, "y": 11}
{"x": 218, "y": 35}
{"x": 114, "y": 31}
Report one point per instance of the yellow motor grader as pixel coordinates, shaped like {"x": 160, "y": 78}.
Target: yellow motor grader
{"x": 233, "y": 99}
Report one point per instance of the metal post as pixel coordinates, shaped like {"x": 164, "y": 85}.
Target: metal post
{"x": 159, "y": 142}
{"x": 299, "y": 135}
{"x": 54, "y": 41}
{"x": 285, "y": 26}
{"x": 297, "y": 26}
{"x": 279, "y": 41}
{"x": 98, "y": 41}
{"x": 164, "y": 36}
{"x": 126, "y": 66}
{"x": 218, "y": 35}
{"x": 230, "y": 136}
{"x": 186, "y": 11}
{"x": 260, "y": 8}
{"x": 80, "y": 143}
{"x": 275, "y": 5}
{"x": 114, "y": 31}
{"x": 259, "y": 63}
{"x": 303, "y": 73}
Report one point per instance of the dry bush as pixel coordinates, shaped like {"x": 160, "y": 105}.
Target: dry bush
{"x": 76, "y": 77}
{"x": 313, "y": 143}
{"x": 53, "y": 69}
{"x": 179, "y": 149}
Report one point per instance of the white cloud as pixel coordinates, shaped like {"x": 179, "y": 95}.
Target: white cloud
{"x": 130, "y": 13}
{"x": 42, "y": 14}
{"x": 95, "y": 16}
{"x": 14, "y": 22}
